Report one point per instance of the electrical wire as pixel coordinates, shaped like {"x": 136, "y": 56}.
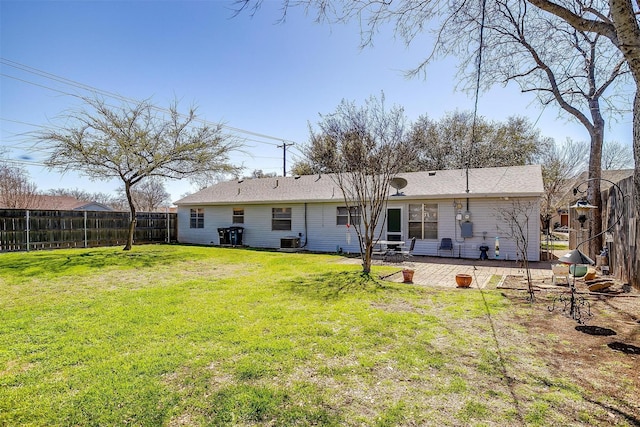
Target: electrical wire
{"x": 478, "y": 75}
{"x": 88, "y": 88}
{"x": 97, "y": 91}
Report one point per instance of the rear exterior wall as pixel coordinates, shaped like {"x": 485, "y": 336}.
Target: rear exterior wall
{"x": 316, "y": 225}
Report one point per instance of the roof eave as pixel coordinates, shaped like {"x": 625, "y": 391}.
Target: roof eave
{"x": 392, "y": 198}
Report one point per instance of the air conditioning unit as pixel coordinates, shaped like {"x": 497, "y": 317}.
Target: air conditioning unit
{"x": 289, "y": 242}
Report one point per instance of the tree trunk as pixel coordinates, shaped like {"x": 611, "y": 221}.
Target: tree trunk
{"x": 132, "y": 223}
{"x": 628, "y": 33}
{"x": 366, "y": 260}
{"x": 594, "y": 175}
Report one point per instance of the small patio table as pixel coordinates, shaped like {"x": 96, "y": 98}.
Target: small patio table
{"x": 391, "y": 249}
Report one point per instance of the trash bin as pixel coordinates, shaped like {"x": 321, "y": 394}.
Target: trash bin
{"x": 223, "y": 234}
{"x": 235, "y": 235}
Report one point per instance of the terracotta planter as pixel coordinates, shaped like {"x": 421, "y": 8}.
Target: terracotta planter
{"x": 407, "y": 275}
{"x": 463, "y": 280}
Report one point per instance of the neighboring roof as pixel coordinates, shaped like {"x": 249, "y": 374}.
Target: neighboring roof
{"x": 486, "y": 182}
{"x": 65, "y": 203}
{"x": 615, "y": 176}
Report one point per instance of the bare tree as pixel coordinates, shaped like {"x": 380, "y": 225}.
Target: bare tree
{"x": 517, "y": 221}
{"x": 137, "y": 142}
{"x": 616, "y": 156}
{"x": 16, "y": 191}
{"x": 86, "y": 196}
{"x": 617, "y": 20}
{"x": 574, "y": 71}
{"x": 591, "y": 43}
{"x": 559, "y": 164}
{"x": 259, "y": 173}
{"x": 148, "y": 196}
{"x": 370, "y": 149}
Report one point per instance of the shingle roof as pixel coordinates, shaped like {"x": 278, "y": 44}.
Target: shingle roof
{"x": 615, "y": 175}
{"x": 46, "y": 202}
{"x": 486, "y": 182}
{"x": 57, "y": 202}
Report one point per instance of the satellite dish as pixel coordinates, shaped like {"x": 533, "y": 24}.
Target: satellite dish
{"x": 398, "y": 183}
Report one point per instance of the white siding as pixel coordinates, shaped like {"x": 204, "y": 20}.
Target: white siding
{"x": 214, "y": 217}
{"x": 321, "y": 233}
{"x": 257, "y": 224}
{"x": 324, "y": 235}
{"x": 486, "y": 226}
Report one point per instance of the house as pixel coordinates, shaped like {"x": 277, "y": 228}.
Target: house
{"x": 66, "y": 203}
{"x": 567, "y": 198}
{"x": 309, "y": 212}
{"x": 57, "y": 203}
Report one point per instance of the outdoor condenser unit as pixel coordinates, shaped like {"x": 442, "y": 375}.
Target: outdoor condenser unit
{"x": 289, "y": 242}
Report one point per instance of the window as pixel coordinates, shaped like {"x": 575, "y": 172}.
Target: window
{"x": 281, "y": 218}
{"x": 346, "y": 216}
{"x": 238, "y": 216}
{"x": 197, "y": 218}
{"x": 423, "y": 221}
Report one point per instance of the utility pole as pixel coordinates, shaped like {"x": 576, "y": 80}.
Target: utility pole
{"x": 284, "y": 156}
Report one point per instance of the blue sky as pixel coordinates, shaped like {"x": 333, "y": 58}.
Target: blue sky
{"x": 249, "y": 72}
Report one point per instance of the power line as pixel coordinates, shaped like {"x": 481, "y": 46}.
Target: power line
{"x": 96, "y": 91}
{"x": 85, "y": 87}
{"x": 19, "y": 122}
{"x": 22, "y": 162}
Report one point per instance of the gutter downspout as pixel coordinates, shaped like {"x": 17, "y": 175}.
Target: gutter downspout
{"x": 306, "y": 238}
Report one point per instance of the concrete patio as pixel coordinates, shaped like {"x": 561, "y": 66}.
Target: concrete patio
{"x": 438, "y": 271}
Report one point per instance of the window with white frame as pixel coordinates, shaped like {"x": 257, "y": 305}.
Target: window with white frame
{"x": 423, "y": 221}
{"x": 280, "y": 219}
{"x": 197, "y": 218}
{"x": 346, "y": 216}
{"x": 238, "y": 216}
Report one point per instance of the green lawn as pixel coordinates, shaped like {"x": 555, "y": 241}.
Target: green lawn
{"x": 183, "y": 335}
{"x": 558, "y": 246}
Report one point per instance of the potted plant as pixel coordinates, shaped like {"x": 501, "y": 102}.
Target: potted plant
{"x": 407, "y": 275}
{"x": 463, "y": 280}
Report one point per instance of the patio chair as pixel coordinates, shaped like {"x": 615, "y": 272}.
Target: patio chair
{"x": 409, "y": 253}
{"x": 560, "y": 270}
{"x": 446, "y": 244}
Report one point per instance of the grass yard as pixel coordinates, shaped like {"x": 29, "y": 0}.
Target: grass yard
{"x": 190, "y": 336}
{"x": 557, "y": 246}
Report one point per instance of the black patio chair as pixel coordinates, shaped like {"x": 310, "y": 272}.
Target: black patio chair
{"x": 446, "y": 244}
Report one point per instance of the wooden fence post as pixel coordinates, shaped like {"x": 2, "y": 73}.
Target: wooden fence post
{"x": 27, "y": 218}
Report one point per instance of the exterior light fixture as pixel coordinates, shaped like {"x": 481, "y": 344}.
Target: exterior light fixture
{"x": 582, "y": 208}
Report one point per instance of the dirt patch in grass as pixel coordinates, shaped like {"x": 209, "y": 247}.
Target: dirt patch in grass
{"x": 598, "y": 356}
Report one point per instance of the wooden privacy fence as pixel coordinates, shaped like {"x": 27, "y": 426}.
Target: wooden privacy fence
{"x": 26, "y": 230}
{"x": 623, "y": 241}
